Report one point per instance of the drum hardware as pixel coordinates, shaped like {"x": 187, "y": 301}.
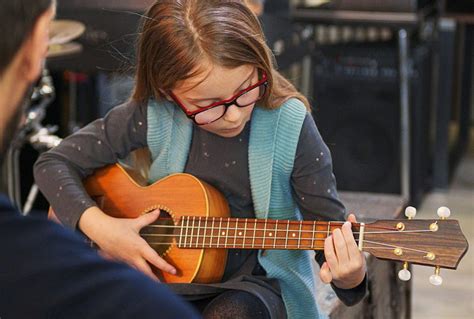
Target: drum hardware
{"x": 64, "y": 31}
{"x": 60, "y": 50}
{"x": 41, "y": 138}
{"x": 34, "y": 133}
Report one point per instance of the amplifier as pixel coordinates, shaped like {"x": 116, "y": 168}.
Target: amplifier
{"x": 356, "y": 106}
{"x": 366, "y": 5}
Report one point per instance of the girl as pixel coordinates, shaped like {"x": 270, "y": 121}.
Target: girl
{"x": 206, "y": 82}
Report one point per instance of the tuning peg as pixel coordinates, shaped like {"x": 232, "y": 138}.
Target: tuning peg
{"x": 436, "y": 279}
{"x": 444, "y": 212}
{"x": 404, "y": 274}
{"x": 410, "y": 212}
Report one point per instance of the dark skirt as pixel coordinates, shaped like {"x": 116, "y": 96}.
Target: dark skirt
{"x": 265, "y": 289}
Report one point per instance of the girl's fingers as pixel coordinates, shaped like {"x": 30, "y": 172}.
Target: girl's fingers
{"x": 142, "y": 266}
{"x": 325, "y": 273}
{"x": 349, "y": 239}
{"x": 153, "y": 258}
{"x": 146, "y": 219}
{"x": 340, "y": 247}
{"x": 351, "y": 218}
{"x": 330, "y": 254}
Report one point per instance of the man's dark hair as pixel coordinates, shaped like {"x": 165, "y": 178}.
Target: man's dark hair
{"x": 17, "y": 19}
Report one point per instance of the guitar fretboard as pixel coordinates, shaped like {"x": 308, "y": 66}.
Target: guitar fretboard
{"x": 247, "y": 233}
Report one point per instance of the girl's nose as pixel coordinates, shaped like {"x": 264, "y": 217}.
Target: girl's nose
{"x": 233, "y": 113}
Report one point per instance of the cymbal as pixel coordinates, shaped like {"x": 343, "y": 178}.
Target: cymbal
{"x": 59, "y": 50}
{"x": 63, "y": 31}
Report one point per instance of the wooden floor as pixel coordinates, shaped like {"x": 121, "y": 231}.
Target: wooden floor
{"x": 454, "y": 299}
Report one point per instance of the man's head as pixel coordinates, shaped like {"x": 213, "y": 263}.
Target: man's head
{"x": 24, "y": 30}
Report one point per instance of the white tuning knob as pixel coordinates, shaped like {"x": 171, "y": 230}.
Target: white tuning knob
{"x": 436, "y": 280}
{"x": 404, "y": 274}
{"x": 444, "y": 212}
{"x": 410, "y": 212}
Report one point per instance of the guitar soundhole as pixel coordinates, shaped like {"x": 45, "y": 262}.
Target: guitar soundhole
{"x": 159, "y": 235}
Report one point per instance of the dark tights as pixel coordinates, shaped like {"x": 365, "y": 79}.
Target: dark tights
{"x": 233, "y": 304}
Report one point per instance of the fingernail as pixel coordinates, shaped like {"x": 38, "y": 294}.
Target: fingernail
{"x": 173, "y": 271}
{"x": 348, "y": 224}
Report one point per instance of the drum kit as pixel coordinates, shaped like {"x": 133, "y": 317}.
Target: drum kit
{"x": 32, "y": 132}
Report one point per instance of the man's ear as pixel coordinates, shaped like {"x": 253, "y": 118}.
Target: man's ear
{"x": 35, "y": 48}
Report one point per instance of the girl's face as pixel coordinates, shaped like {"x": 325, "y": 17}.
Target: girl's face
{"x": 218, "y": 84}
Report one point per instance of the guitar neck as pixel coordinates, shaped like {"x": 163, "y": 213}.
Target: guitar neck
{"x": 228, "y": 233}
{"x": 438, "y": 243}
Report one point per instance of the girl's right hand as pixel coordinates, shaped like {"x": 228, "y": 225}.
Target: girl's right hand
{"x": 119, "y": 238}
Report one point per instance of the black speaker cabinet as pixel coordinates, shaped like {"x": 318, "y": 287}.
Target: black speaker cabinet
{"x": 357, "y": 110}
{"x": 370, "y": 5}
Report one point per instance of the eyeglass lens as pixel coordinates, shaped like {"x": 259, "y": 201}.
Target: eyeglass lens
{"x": 217, "y": 112}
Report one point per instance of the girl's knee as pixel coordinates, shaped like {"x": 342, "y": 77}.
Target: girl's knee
{"x": 236, "y": 304}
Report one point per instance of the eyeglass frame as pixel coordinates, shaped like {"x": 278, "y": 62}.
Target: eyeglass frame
{"x": 226, "y": 103}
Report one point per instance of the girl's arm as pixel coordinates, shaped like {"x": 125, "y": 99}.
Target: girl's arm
{"x": 315, "y": 192}
{"x": 59, "y": 175}
{"x": 312, "y": 179}
{"x": 59, "y": 172}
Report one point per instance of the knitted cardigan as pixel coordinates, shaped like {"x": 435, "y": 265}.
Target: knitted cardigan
{"x": 274, "y": 136}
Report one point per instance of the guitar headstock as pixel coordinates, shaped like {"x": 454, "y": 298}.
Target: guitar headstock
{"x": 438, "y": 243}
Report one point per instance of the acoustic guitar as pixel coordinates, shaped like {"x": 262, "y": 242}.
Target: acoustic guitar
{"x": 194, "y": 229}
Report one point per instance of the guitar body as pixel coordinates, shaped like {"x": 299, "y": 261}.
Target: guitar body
{"x": 118, "y": 195}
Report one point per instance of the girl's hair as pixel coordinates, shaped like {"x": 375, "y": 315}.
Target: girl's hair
{"x": 178, "y": 37}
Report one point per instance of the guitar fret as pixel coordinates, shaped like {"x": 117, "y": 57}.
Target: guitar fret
{"x": 219, "y": 233}
{"x": 312, "y": 241}
{"x": 181, "y": 232}
{"x": 187, "y": 229}
{"x": 254, "y": 231}
{"x": 264, "y": 232}
{"x": 212, "y": 230}
{"x": 205, "y": 234}
{"x": 235, "y": 232}
{"x": 287, "y": 232}
{"x": 299, "y": 237}
{"x": 198, "y": 231}
{"x": 276, "y": 233}
{"x": 245, "y": 232}
{"x": 227, "y": 233}
{"x": 192, "y": 232}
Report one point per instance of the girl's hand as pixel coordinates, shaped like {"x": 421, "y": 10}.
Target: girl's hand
{"x": 119, "y": 239}
{"x": 345, "y": 265}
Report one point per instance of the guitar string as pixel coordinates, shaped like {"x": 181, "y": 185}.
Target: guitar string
{"x": 298, "y": 231}
{"x": 241, "y": 246}
{"x": 259, "y": 221}
{"x": 390, "y": 246}
{"x": 272, "y": 238}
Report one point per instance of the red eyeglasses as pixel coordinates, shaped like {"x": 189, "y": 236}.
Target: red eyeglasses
{"x": 216, "y": 110}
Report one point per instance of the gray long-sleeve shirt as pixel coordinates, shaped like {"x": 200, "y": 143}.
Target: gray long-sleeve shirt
{"x": 221, "y": 162}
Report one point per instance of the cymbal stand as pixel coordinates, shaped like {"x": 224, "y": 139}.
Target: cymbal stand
{"x": 33, "y": 132}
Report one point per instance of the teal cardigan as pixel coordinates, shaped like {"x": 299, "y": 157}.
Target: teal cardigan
{"x": 274, "y": 136}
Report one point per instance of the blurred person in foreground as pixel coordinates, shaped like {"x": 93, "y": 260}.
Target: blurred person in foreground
{"x": 47, "y": 271}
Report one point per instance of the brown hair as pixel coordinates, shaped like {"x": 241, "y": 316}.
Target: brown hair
{"x": 177, "y": 36}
